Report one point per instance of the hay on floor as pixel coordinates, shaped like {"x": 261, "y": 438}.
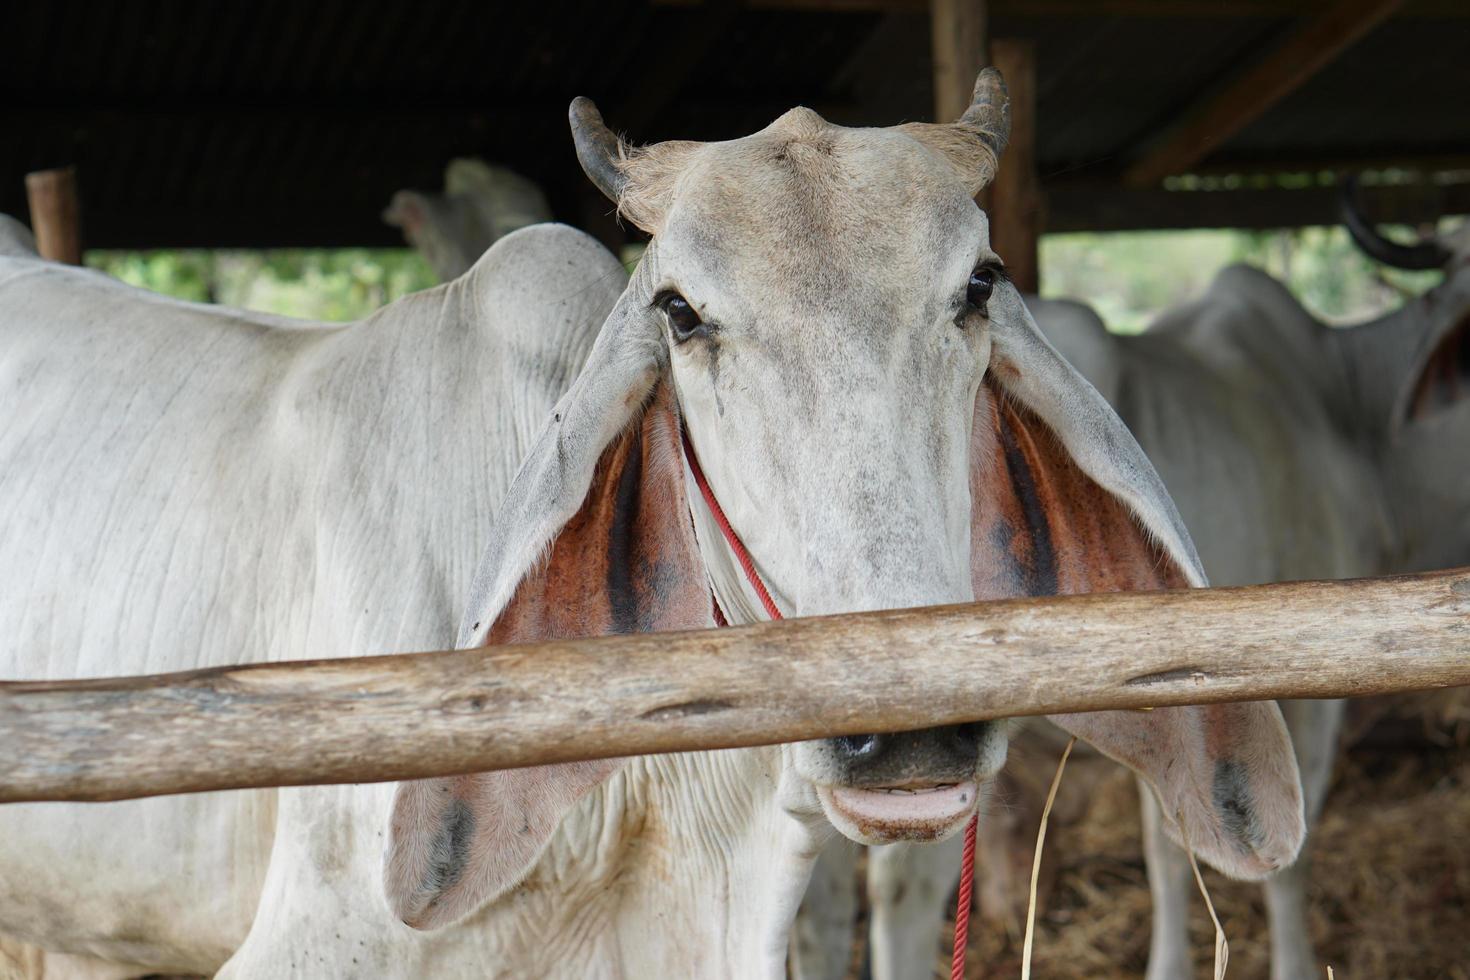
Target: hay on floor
{"x": 1390, "y": 893}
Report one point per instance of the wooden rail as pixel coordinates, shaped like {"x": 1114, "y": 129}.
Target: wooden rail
{"x": 417, "y": 715}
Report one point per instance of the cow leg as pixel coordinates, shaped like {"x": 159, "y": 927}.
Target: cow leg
{"x": 909, "y": 890}
{"x": 1314, "y": 727}
{"x": 821, "y": 937}
{"x": 1170, "y": 882}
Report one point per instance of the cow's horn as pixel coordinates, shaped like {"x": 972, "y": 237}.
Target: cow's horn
{"x": 1427, "y": 253}
{"x": 989, "y": 114}
{"x": 597, "y": 148}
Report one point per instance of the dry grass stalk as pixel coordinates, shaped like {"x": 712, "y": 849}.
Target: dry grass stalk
{"x": 1051, "y": 797}
{"x": 1222, "y": 948}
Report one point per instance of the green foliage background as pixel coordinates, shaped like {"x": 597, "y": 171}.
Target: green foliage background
{"x": 314, "y": 284}
{"x": 1128, "y": 277}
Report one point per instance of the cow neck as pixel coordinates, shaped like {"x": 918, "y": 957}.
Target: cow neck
{"x": 962, "y": 911}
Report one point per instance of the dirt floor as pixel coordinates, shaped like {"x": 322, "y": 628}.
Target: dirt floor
{"x": 1390, "y": 893}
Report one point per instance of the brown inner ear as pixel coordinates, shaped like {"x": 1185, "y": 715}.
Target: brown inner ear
{"x": 1039, "y": 525}
{"x": 628, "y": 561}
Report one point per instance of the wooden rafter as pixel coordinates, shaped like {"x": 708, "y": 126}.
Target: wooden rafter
{"x": 1210, "y": 123}
{"x": 1161, "y": 9}
{"x": 1104, "y": 206}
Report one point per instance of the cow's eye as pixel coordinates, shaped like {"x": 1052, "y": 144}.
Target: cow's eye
{"x": 684, "y": 321}
{"x": 982, "y": 284}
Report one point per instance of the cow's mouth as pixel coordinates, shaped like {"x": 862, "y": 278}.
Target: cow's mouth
{"x": 913, "y": 811}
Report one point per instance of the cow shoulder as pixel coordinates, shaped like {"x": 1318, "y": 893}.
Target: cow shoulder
{"x": 544, "y": 291}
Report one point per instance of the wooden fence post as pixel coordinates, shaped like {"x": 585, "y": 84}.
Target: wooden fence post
{"x": 959, "y": 38}
{"x": 1016, "y": 205}
{"x": 55, "y": 214}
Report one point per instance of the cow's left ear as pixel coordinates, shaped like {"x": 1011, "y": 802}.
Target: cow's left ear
{"x": 625, "y": 561}
{"x": 1066, "y": 502}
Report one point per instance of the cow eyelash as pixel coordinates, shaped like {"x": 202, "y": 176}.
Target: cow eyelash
{"x": 997, "y": 270}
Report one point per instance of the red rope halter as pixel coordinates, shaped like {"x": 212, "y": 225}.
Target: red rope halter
{"x": 747, "y": 564}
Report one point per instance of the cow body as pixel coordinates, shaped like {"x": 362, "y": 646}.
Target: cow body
{"x": 188, "y": 487}
{"x": 1294, "y": 450}
{"x": 1238, "y": 400}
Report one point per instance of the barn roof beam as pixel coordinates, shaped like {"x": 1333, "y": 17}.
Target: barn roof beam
{"x": 1211, "y": 122}
{"x": 1162, "y": 9}
{"x": 1099, "y": 206}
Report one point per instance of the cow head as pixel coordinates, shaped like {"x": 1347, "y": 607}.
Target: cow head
{"x": 1409, "y": 381}
{"x": 480, "y": 205}
{"x": 820, "y": 311}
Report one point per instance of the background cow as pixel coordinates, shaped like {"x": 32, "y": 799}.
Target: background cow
{"x": 481, "y": 204}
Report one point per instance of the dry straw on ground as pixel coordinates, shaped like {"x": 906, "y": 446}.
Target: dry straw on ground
{"x": 1390, "y": 893}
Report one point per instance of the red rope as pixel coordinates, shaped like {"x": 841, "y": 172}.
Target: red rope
{"x": 731, "y": 538}
{"x": 967, "y": 872}
{"x": 962, "y": 904}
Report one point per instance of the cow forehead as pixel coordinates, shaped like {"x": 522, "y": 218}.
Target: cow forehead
{"x": 806, "y": 202}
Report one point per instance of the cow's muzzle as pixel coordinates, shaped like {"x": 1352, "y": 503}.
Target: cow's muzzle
{"x": 917, "y": 786}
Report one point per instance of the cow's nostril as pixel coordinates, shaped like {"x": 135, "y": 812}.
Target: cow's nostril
{"x": 857, "y": 746}
{"x": 967, "y": 736}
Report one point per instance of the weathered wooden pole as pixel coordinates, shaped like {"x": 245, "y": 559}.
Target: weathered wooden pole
{"x": 417, "y": 715}
{"x": 55, "y": 214}
{"x": 959, "y": 39}
{"x": 1015, "y": 210}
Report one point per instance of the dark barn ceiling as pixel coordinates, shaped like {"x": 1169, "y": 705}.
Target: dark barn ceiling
{"x": 281, "y": 123}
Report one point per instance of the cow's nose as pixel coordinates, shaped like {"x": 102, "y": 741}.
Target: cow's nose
{"x": 966, "y": 737}
{"x": 945, "y": 754}
{"x": 856, "y": 748}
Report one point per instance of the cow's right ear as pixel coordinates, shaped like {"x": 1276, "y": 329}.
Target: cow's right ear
{"x": 594, "y": 538}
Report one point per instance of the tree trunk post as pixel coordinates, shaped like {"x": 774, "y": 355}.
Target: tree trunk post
{"x": 56, "y": 214}
{"x": 1016, "y": 205}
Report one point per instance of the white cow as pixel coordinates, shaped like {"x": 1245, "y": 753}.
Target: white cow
{"x": 480, "y": 205}
{"x": 819, "y": 315}
{"x": 1294, "y": 451}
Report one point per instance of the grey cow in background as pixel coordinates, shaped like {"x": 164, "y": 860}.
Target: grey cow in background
{"x": 481, "y": 204}
{"x": 1294, "y": 450}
